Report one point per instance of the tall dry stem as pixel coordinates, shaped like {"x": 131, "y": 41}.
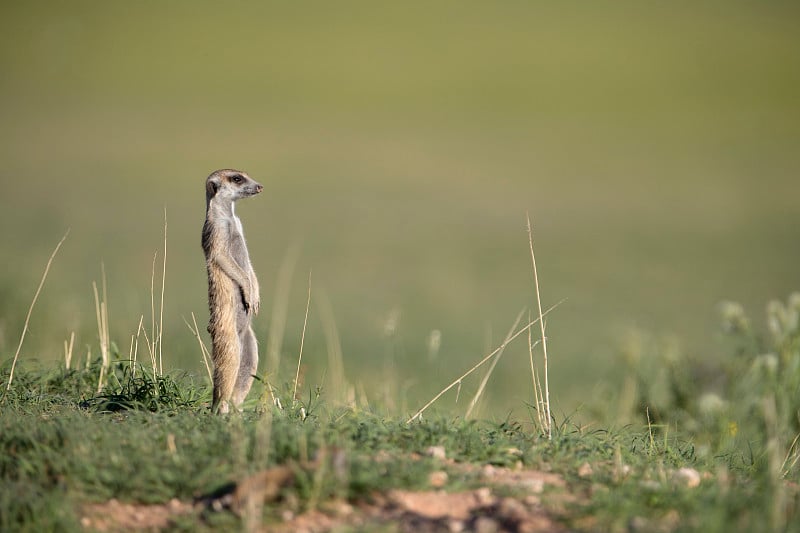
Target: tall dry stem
{"x": 161, "y": 309}
{"x": 537, "y": 385}
{"x": 30, "y": 311}
{"x": 485, "y": 379}
{"x": 549, "y": 425}
{"x": 302, "y": 341}
{"x": 792, "y": 457}
{"x": 336, "y": 377}
{"x": 134, "y": 348}
{"x": 152, "y": 346}
{"x": 480, "y": 363}
{"x": 280, "y": 308}
{"x": 136, "y": 343}
{"x": 206, "y": 355}
{"x": 68, "y": 346}
{"x": 775, "y": 463}
{"x": 101, "y": 311}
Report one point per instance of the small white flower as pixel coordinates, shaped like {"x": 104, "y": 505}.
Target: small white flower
{"x": 767, "y": 363}
{"x": 711, "y": 404}
{"x": 733, "y": 318}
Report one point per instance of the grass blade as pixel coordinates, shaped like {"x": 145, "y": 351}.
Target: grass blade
{"x": 30, "y": 310}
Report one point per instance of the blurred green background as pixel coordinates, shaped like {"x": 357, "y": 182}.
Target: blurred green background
{"x": 655, "y": 146}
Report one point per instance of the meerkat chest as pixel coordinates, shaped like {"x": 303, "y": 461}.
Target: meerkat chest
{"x": 237, "y": 226}
{"x": 237, "y": 246}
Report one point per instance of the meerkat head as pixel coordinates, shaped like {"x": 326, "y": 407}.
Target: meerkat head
{"x": 231, "y": 185}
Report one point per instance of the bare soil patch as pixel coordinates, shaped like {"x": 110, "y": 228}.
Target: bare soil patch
{"x": 484, "y": 509}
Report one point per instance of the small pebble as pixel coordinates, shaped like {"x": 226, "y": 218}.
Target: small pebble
{"x": 437, "y": 452}
{"x": 688, "y": 477}
{"x": 438, "y": 479}
{"x": 455, "y": 526}
{"x": 484, "y": 524}
{"x": 484, "y": 496}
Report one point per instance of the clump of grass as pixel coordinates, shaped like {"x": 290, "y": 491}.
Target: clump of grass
{"x": 53, "y": 385}
{"x": 145, "y": 391}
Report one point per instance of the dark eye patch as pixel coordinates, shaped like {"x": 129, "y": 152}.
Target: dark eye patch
{"x": 237, "y": 178}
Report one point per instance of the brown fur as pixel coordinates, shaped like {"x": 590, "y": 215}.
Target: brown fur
{"x": 233, "y": 292}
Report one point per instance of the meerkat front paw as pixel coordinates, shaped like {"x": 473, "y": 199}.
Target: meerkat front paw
{"x": 246, "y": 297}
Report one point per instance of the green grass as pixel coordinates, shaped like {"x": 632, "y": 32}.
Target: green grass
{"x": 148, "y": 439}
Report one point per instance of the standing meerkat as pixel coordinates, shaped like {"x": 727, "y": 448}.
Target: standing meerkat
{"x": 232, "y": 289}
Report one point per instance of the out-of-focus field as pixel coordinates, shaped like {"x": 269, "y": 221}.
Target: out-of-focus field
{"x": 656, "y": 148}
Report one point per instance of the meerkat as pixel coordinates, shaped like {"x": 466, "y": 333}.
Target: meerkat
{"x": 233, "y": 292}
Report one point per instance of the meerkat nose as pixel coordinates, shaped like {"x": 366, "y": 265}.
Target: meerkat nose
{"x": 259, "y": 187}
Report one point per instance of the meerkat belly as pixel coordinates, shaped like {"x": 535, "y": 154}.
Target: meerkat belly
{"x": 224, "y": 293}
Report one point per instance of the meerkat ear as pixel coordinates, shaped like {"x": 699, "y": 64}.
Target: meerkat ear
{"x": 212, "y": 184}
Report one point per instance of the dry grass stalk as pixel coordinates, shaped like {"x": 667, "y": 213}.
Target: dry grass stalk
{"x": 480, "y": 363}
{"x": 68, "y": 345}
{"x": 280, "y": 309}
{"x": 537, "y": 385}
{"x": 161, "y": 310}
{"x": 206, "y": 355}
{"x": 152, "y": 347}
{"x": 103, "y": 279}
{"x": 485, "y": 379}
{"x": 136, "y": 344}
{"x": 336, "y": 378}
{"x": 101, "y": 312}
{"x": 155, "y": 340}
{"x": 548, "y": 426}
{"x": 792, "y": 457}
{"x": 130, "y": 349}
{"x": 30, "y": 310}
{"x": 302, "y": 340}
{"x": 775, "y": 465}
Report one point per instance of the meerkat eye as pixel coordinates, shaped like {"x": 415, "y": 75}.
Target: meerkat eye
{"x": 237, "y": 178}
